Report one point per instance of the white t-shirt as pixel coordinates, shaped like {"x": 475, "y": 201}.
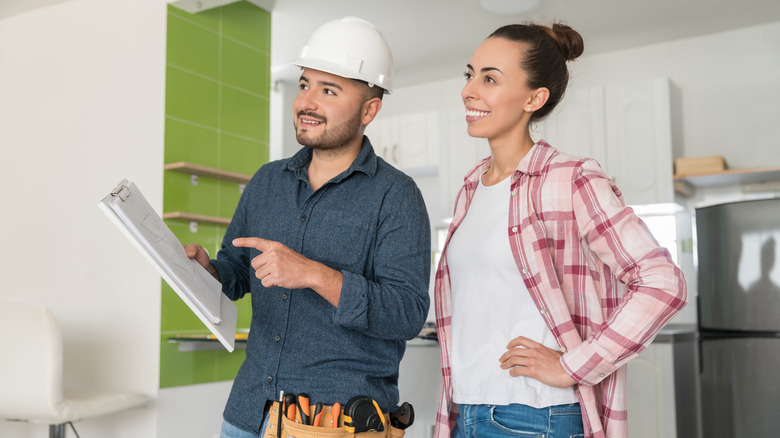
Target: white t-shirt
{"x": 490, "y": 307}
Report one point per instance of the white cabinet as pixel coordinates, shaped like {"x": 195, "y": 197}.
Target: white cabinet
{"x": 639, "y": 141}
{"x": 419, "y": 140}
{"x": 627, "y": 129}
{"x": 384, "y": 135}
{"x": 577, "y": 125}
{"x": 662, "y": 401}
{"x": 651, "y": 407}
{"x": 407, "y": 141}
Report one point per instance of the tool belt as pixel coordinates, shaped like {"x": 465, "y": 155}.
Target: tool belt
{"x": 326, "y": 429}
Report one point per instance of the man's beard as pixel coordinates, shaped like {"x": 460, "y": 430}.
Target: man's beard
{"x": 332, "y": 138}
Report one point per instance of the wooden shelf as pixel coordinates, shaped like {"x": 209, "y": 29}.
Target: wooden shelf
{"x": 209, "y": 172}
{"x": 732, "y": 177}
{"x": 192, "y": 217}
{"x": 205, "y": 342}
{"x": 748, "y": 179}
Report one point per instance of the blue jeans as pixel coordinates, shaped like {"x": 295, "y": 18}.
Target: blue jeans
{"x": 488, "y": 421}
{"x": 231, "y": 431}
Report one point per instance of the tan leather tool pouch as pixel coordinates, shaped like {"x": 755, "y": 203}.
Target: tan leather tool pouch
{"x": 291, "y": 429}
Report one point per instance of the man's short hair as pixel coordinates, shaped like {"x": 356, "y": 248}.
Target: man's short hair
{"x": 370, "y": 92}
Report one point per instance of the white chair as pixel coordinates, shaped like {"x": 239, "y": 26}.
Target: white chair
{"x": 31, "y": 374}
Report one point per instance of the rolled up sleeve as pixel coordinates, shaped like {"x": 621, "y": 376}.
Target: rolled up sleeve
{"x": 394, "y": 304}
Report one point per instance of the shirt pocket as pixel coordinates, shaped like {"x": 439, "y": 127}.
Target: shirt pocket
{"x": 338, "y": 239}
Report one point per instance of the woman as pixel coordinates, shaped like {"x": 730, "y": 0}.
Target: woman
{"x": 548, "y": 284}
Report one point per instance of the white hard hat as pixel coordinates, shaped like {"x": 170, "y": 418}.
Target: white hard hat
{"x": 351, "y": 48}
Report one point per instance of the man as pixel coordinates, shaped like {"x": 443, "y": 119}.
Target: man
{"x": 333, "y": 244}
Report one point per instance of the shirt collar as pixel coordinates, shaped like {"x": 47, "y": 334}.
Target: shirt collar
{"x": 536, "y": 159}
{"x": 365, "y": 162}
{"x": 533, "y": 163}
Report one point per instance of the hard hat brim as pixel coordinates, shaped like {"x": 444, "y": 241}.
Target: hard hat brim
{"x": 338, "y": 70}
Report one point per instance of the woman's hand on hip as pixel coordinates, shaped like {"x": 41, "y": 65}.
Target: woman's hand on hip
{"x": 525, "y": 357}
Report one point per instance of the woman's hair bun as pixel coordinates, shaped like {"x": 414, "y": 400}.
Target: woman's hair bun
{"x": 568, "y": 39}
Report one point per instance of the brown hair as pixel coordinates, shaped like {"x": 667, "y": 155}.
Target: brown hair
{"x": 546, "y": 52}
{"x": 370, "y": 92}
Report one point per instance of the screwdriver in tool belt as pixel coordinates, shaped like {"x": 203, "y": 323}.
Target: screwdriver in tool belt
{"x": 289, "y": 406}
{"x": 303, "y": 408}
{"x": 315, "y": 421}
{"x": 335, "y": 412}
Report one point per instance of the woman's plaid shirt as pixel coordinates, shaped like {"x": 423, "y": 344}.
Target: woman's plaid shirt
{"x": 598, "y": 277}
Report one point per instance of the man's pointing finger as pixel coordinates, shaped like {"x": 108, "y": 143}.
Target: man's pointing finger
{"x": 251, "y": 242}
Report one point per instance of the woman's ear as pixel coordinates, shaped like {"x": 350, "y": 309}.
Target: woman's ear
{"x": 538, "y": 99}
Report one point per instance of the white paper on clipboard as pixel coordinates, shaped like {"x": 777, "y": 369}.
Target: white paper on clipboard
{"x": 134, "y": 216}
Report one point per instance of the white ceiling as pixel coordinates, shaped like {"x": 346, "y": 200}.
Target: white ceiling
{"x": 434, "y": 39}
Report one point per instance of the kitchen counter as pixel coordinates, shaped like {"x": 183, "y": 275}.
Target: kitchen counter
{"x": 673, "y": 333}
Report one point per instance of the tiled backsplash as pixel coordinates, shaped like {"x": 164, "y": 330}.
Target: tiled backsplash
{"x": 216, "y": 115}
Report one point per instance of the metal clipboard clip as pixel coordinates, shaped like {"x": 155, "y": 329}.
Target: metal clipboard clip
{"x": 122, "y": 191}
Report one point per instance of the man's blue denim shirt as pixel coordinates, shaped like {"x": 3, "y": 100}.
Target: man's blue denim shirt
{"x": 371, "y": 224}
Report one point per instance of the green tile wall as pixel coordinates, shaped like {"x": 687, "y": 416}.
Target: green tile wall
{"x": 216, "y": 115}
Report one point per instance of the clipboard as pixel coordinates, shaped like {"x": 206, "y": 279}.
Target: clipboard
{"x": 129, "y": 210}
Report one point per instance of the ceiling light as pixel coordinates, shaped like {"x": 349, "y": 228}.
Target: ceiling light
{"x": 508, "y": 7}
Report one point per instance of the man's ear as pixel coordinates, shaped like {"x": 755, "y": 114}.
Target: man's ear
{"x": 370, "y": 109}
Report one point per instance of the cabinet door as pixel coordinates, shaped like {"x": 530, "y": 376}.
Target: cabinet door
{"x": 577, "y": 124}
{"x": 384, "y": 135}
{"x": 639, "y": 141}
{"x": 407, "y": 141}
{"x": 419, "y": 140}
{"x": 651, "y": 399}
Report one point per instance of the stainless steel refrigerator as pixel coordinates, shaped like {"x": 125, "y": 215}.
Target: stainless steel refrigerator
{"x": 738, "y": 252}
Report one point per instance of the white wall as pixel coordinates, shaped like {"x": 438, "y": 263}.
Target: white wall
{"x": 192, "y": 411}
{"x": 82, "y": 107}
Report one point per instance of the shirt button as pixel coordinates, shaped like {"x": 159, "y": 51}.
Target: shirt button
{"x": 525, "y": 271}
{"x": 544, "y": 311}
{"x": 284, "y": 296}
{"x": 303, "y": 217}
{"x": 269, "y": 379}
{"x": 278, "y": 338}
{"x": 601, "y": 375}
{"x": 514, "y": 229}
{"x": 563, "y": 349}
{"x": 514, "y": 192}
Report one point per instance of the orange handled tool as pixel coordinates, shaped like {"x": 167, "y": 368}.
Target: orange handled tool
{"x": 303, "y": 408}
{"x": 289, "y": 406}
{"x": 315, "y": 421}
{"x": 335, "y": 412}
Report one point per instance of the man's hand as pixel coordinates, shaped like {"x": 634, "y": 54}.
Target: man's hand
{"x": 197, "y": 252}
{"x": 525, "y": 357}
{"x": 278, "y": 265}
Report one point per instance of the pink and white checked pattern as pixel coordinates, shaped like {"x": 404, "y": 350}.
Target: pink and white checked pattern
{"x": 601, "y": 281}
